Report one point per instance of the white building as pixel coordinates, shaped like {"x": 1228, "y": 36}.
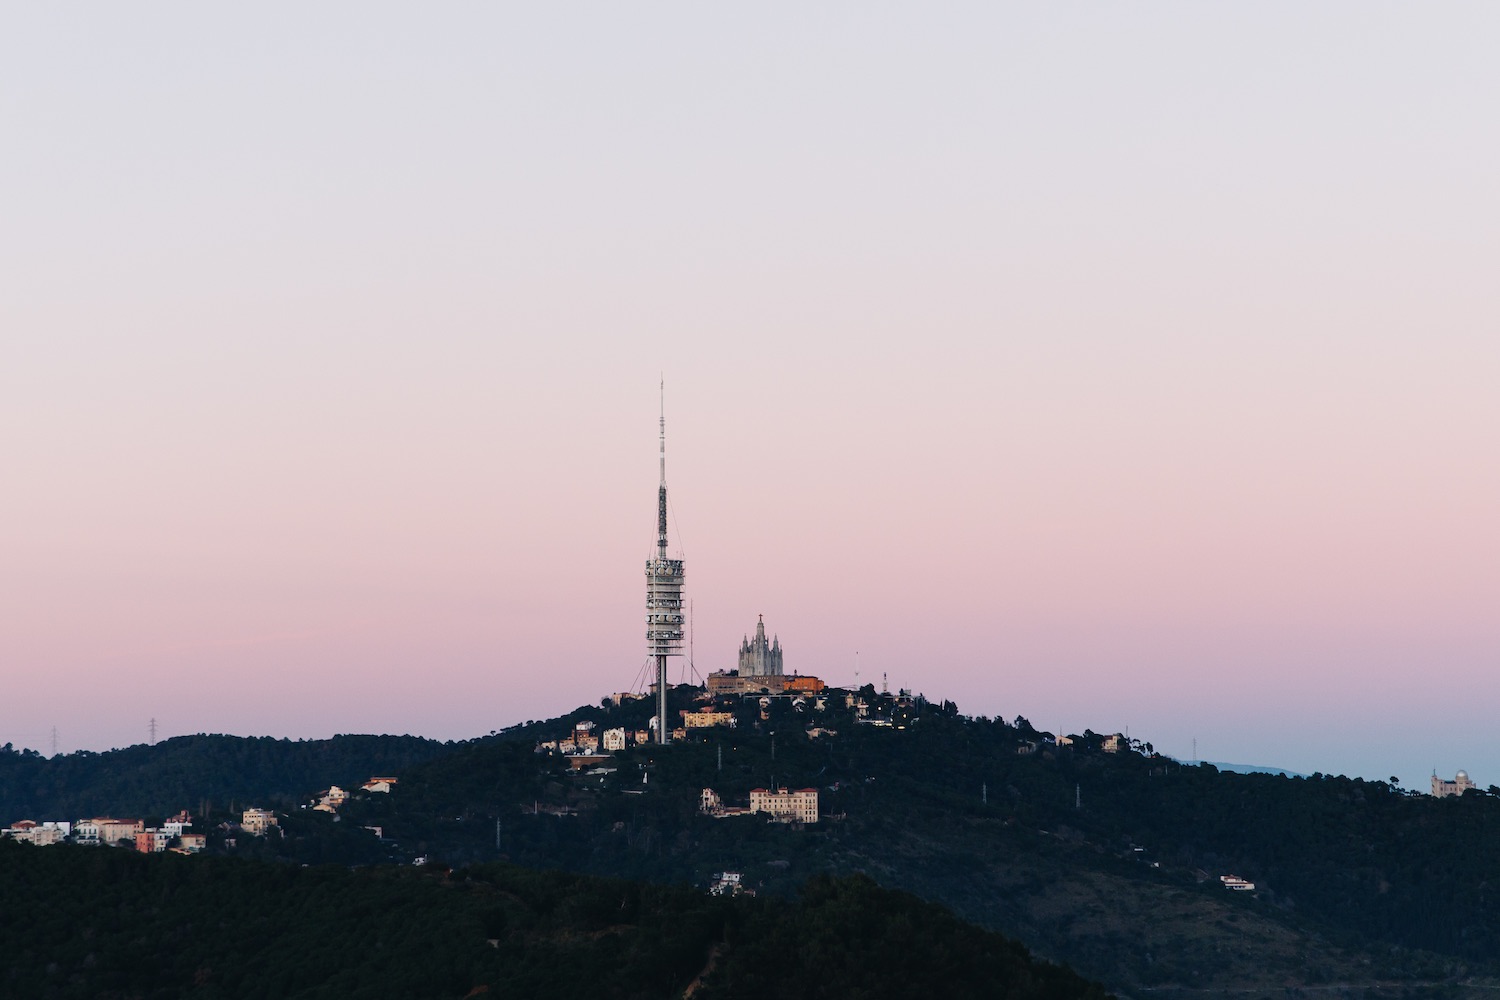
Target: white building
{"x": 40, "y": 834}
{"x": 800, "y": 806}
{"x": 729, "y": 884}
{"x": 178, "y": 823}
{"x": 1442, "y": 788}
{"x": 614, "y": 739}
{"x": 106, "y": 831}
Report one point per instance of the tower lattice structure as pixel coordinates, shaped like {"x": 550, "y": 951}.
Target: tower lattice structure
{"x": 664, "y": 618}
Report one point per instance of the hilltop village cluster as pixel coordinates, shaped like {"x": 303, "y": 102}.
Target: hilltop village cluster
{"x": 725, "y": 697}
{"x": 177, "y": 834}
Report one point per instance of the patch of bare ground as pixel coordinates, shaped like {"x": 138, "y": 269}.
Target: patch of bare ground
{"x": 706, "y": 971}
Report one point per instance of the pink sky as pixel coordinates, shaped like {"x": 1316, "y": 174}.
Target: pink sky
{"x": 1114, "y": 368}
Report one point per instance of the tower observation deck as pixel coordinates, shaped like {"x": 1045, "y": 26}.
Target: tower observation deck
{"x": 664, "y": 618}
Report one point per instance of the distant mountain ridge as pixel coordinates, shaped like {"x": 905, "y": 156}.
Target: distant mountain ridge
{"x": 1248, "y": 768}
{"x": 186, "y": 771}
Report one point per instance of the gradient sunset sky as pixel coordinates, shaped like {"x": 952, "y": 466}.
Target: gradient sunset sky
{"x": 1112, "y": 365}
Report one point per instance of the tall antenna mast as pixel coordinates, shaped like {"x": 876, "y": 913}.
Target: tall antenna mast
{"x": 153, "y": 730}
{"x": 663, "y": 591}
{"x": 661, "y": 491}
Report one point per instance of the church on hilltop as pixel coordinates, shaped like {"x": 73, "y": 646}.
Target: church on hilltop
{"x": 760, "y": 669}
{"x": 759, "y": 658}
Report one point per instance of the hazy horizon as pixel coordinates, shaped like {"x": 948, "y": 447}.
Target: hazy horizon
{"x": 1115, "y": 367}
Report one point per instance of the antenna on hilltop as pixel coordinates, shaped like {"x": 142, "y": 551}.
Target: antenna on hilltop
{"x": 661, "y": 512}
{"x": 152, "y": 727}
{"x": 664, "y": 619}
{"x": 54, "y": 741}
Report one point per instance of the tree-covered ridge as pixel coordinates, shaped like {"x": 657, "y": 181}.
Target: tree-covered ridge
{"x": 186, "y": 771}
{"x": 1108, "y": 861}
{"x": 1014, "y": 831}
{"x": 99, "y": 923}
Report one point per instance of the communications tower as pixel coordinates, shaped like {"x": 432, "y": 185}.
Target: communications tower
{"x": 663, "y": 594}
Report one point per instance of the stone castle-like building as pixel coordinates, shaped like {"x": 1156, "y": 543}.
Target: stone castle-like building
{"x": 1442, "y": 788}
{"x": 759, "y": 658}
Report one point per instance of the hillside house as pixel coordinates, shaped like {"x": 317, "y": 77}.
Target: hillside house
{"x": 710, "y": 804}
{"x": 152, "y": 841}
{"x": 107, "y": 831}
{"x": 330, "y": 800}
{"x": 783, "y": 806}
{"x": 41, "y": 834}
{"x": 729, "y": 884}
{"x": 705, "y": 719}
{"x": 258, "y": 821}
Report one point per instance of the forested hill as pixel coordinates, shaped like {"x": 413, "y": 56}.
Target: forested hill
{"x": 1108, "y": 861}
{"x": 99, "y": 923}
{"x": 187, "y": 771}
